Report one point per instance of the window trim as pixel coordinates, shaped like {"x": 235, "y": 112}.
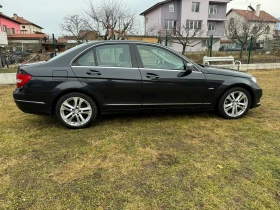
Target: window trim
{"x": 93, "y": 47}
{"x": 171, "y": 7}
{"x": 193, "y": 8}
{"x": 215, "y": 8}
{"x": 213, "y": 24}
{"x": 184, "y": 59}
{"x": 197, "y": 24}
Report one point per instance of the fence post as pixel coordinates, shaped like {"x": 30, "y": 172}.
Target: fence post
{"x": 250, "y": 49}
{"x": 166, "y": 40}
{"x": 54, "y": 47}
{"x": 211, "y": 45}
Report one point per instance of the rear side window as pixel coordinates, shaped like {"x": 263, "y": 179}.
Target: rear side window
{"x": 86, "y": 59}
{"x": 117, "y": 55}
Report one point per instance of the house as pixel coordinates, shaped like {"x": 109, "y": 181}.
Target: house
{"x": 207, "y": 15}
{"x": 253, "y": 16}
{"x": 8, "y": 26}
{"x": 27, "y": 27}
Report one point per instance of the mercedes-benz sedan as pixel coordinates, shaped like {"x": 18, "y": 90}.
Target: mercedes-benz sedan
{"x": 117, "y": 76}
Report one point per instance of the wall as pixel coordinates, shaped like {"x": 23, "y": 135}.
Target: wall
{"x": 154, "y": 23}
{"x": 9, "y": 24}
{"x": 196, "y": 48}
{"x": 222, "y": 11}
{"x": 23, "y": 41}
{"x": 30, "y": 29}
{"x": 3, "y": 38}
{"x": 176, "y": 15}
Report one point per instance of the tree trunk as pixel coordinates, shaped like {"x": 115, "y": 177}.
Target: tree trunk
{"x": 184, "y": 49}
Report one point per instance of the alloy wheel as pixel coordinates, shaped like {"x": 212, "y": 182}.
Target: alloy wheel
{"x": 236, "y": 104}
{"x": 75, "y": 111}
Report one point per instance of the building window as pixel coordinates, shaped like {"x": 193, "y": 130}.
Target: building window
{"x": 171, "y": 8}
{"x": 13, "y": 31}
{"x": 231, "y": 20}
{"x": 194, "y": 24}
{"x": 213, "y": 9}
{"x": 5, "y": 28}
{"x": 170, "y": 25}
{"x": 23, "y": 26}
{"x": 267, "y": 30}
{"x": 211, "y": 26}
{"x": 205, "y": 43}
{"x": 195, "y": 6}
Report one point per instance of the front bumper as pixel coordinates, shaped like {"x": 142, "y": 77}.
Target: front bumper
{"x": 258, "y": 96}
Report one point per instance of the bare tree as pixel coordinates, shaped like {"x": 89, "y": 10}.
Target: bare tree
{"x": 240, "y": 30}
{"x": 72, "y": 25}
{"x": 116, "y": 18}
{"x": 186, "y": 36}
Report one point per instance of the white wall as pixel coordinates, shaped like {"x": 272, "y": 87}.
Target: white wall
{"x": 3, "y": 38}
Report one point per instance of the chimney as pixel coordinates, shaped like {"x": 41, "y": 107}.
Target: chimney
{"x": 15, "y": 16}
{"x": 258, "y": 10}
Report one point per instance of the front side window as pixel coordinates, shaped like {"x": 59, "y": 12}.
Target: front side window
{"x": 195, "y": 6}
{"x": 158, "y": 58}
{"x": 171, "y": 8}
{"x": 213, "y": 9}
{"x": 117, "y": 55}
{"x": 86, "y": 59}
{"x": 211, "y": 26}
{"x": 194, "y": 24}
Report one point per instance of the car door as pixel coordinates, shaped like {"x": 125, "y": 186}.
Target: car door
{"x": 110, "y": 70}
{"x": 165, "y": 80}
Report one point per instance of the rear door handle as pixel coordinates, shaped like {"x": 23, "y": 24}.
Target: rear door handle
{"x": 93, "y": 72}
{"x": 152, "y": 76}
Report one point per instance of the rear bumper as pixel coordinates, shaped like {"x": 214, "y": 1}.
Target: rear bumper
{"x": 29, "y": 105}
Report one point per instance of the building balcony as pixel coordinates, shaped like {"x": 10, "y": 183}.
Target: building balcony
{"x": 215, "y": 33}
{"x": 216, "y": 17}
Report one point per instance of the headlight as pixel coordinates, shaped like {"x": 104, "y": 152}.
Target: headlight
{"x": 254, "y": 79}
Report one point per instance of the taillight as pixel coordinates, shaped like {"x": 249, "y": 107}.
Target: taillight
{"x": 22, "y": 79}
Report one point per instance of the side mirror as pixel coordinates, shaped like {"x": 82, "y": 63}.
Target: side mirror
{"x": 188, "y": 68}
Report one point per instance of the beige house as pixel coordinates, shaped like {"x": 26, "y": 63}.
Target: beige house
{"x": 253, "y": 16}
{"x": 27, "y": 27}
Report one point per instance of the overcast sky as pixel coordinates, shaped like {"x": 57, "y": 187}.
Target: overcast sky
{"x": 49, "y": 13}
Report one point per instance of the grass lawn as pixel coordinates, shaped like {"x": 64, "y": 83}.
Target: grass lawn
{"x": 11, "y": 70}
{"x": 164, "y": 161}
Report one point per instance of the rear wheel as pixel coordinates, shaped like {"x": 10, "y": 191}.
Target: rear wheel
{"x": 235, "y": 103}
{"x": 76, "y": 110}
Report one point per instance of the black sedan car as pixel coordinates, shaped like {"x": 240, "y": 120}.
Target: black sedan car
{"x": 117, "y": 76}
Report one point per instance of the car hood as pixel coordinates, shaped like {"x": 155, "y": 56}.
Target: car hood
{"x": 227, "y": 72}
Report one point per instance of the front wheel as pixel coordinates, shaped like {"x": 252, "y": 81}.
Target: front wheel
{"x": 235, "y": 103}
{"x": 76, "y": 110}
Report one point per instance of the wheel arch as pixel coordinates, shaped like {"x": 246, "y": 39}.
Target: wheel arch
{"x": 241, "y": 85}
{"x": 83, "y": 91}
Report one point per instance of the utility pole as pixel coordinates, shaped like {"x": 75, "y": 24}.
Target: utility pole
{"x": 250, "y": 49}
{"x": 54, "y": 47}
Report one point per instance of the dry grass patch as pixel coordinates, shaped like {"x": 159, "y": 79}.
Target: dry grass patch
{"x": 148, "y": 161}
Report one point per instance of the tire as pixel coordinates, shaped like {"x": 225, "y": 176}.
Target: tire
{"x": 79, "y": 116}
{"x": 234, "y": 103}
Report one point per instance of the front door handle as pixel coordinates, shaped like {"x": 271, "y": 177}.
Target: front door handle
{"x": 152, "y": 76}
{"x": 93, "y": 72}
